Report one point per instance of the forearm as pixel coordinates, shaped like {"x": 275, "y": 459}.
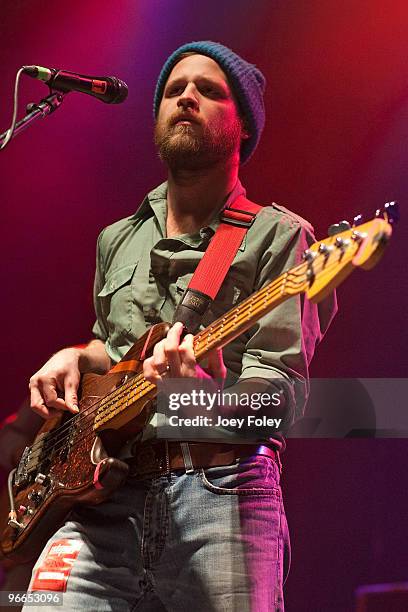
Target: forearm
{"x": 270, "y": 398}
{"x": 93, "y": 358}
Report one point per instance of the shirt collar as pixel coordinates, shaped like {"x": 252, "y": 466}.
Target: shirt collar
{"x": 237, "y": 191}
{"x": 156, "y": 203}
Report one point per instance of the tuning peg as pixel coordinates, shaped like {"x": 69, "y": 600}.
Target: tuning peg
{"x": 337, "y": 228}
{"x": 309, "y": 256}
{"x": 390, "y": 212}
{"x": 358, "y": 219}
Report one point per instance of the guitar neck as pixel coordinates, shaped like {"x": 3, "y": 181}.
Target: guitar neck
{"x": 240, "y": 318}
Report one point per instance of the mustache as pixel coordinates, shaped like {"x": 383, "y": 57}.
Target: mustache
{"x": 176, "y": 117}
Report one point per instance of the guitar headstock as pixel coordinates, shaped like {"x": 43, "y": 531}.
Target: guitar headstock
{"x": 329, "y": 261}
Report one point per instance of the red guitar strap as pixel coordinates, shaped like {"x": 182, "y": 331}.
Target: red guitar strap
{"x": 214, "y": 265}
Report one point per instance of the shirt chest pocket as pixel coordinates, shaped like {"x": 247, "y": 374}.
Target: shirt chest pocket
{"x": 116, "y": 299}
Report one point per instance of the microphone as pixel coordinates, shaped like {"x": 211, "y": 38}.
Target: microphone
{"x": 108, "y": 89}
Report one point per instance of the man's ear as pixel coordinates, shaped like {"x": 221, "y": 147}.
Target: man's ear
{"x": 245, "y": 134}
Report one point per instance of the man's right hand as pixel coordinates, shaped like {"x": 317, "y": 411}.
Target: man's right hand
{"x": 59, "y": 376}
{"x": 55, "y": 386}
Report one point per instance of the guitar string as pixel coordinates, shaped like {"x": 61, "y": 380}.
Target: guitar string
{"x": 250, "y": 301}
{"x": 146, "y": 388}
{"x": 132, "y": 385}
{"x": 131, "y": 388}
{"x": 245, "y": 308}
{"x": 58, "y": 440}
{"x": 129, "y": 384}
{"x": 150, "y": 387}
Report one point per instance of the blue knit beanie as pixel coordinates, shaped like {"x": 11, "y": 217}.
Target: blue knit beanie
{"x": 246, "y": 81}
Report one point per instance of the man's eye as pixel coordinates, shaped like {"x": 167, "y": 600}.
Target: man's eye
{"x": 174, "y": 91}
{"x": 212, "y": 92}
{"x": 209, "y": 91}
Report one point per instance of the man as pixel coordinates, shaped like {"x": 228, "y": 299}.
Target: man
{"x": 213, "y": 534}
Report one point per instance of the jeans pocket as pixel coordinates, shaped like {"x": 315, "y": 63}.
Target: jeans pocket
{"x": 256, "y": 476}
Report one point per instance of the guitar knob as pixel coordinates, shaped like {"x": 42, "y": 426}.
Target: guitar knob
{"x": 36, "y": 497}
{"x": 337, "y": 228}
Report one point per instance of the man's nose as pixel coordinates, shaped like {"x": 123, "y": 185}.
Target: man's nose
{"x": 189, "y": 98}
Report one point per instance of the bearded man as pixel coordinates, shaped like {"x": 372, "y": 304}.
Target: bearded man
{"x": 208, "y": 532}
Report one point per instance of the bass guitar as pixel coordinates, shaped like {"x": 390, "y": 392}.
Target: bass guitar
{"x": 72, "y": 459}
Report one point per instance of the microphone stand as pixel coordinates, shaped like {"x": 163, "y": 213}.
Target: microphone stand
{"x": 34, "y": 111}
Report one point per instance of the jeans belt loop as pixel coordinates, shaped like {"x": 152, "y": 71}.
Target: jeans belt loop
{"x": 266, "y": 450}
{"x": 188, "y": 462}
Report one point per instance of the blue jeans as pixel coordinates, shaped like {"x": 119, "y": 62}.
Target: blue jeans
{"x": 212, "y": 540}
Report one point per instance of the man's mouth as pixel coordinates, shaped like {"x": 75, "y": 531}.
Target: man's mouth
{"x": 185, "y": 120}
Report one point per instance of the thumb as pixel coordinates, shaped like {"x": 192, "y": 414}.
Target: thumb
{"x": 71, "y": 385}
{"x": 215, "y": 364}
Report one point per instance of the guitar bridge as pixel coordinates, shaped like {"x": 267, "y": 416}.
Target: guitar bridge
{"x": 32, "y": 459}
{"x": 21, "y": 474}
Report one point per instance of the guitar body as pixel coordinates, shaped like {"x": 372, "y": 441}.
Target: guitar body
{"x": 69, "y": 463}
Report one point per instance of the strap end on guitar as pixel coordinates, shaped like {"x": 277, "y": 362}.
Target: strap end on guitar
{"x": 110, "y": 473}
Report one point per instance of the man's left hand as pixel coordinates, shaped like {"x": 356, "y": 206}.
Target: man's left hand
{"x": 175, "y": 357}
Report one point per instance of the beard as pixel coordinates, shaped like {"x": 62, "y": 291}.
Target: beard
{"x": 196, "y": 146}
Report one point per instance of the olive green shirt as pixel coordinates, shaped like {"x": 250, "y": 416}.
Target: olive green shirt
{"x": 141, "y": 276}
